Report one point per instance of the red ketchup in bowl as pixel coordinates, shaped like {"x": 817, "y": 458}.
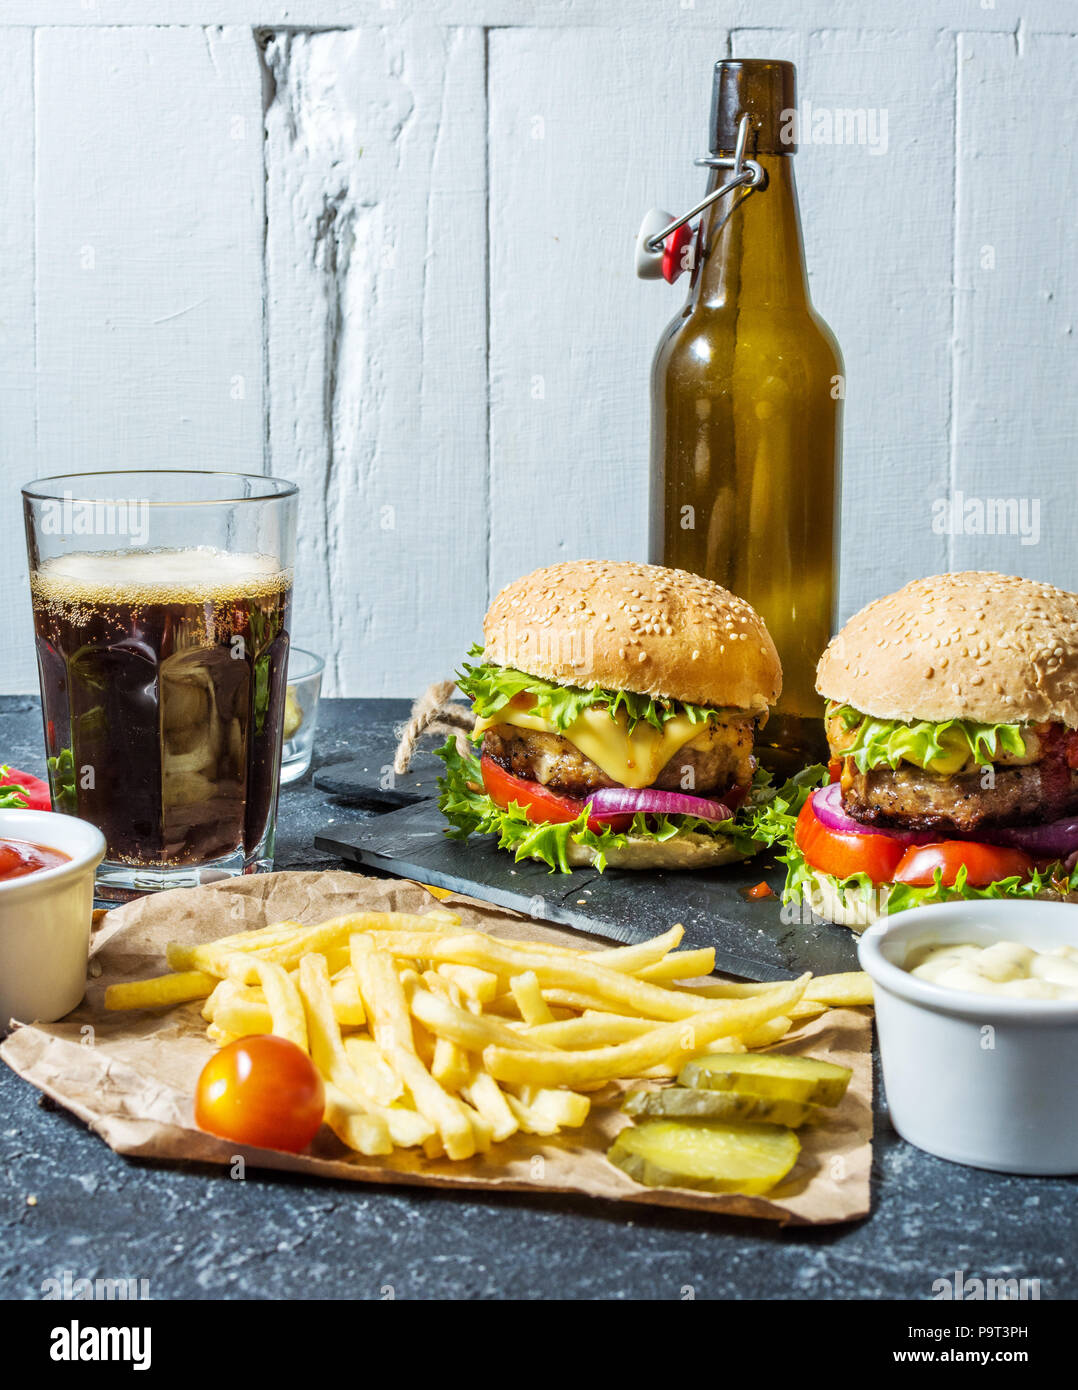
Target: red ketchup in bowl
{"x": 19, "y": 858}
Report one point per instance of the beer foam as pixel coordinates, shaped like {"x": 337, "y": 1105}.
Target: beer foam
{"x": 196, "y": 574}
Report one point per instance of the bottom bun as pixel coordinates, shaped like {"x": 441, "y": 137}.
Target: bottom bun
{"x": 688, "y": 851}
{"x": 858, "y": 908}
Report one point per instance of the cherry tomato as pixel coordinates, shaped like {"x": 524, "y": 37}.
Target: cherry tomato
{"x": 538, "y": 803}
{"x": 984, "y": 863}
{"x": 37, "y": 791}
{"x": 262, "y": 1090}
{"x": 842, "y": 854}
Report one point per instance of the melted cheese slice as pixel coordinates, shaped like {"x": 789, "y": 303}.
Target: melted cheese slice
{"x": 634, "y": 760}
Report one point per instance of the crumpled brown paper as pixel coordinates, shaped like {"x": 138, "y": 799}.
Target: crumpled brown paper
{"x": 131, "y": 1076}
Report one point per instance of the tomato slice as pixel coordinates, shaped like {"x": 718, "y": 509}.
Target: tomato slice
{"x": 262, "y": 1090}
{"x": 984, "y": 864}
{"x": 844, "y": 853}
{"x": 834, "y": 769}
{"x": 538, "y": 803}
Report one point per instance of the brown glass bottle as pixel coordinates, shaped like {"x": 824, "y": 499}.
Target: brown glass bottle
{"x": 746, "y": 401}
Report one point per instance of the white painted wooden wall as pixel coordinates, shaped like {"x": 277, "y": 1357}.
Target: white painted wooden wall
{"x": 384, "y": 247}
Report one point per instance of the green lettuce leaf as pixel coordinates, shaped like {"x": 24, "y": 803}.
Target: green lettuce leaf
{"x": 492, "y": 687}
{"x": 887, "y": 742}
{"x": 472, "y": 812}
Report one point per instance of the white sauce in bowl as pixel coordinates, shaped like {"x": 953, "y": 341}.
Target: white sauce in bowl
{"x": 1006, "y": 968}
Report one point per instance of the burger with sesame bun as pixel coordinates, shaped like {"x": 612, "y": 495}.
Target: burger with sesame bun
{"x": 616, "y": 706}
{"x": 952, "y": 719}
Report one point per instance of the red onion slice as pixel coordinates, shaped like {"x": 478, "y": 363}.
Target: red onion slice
{"x": 625, "y": 801}
{"x": 1057, "y": 839}
{"x": 827, "y": 803}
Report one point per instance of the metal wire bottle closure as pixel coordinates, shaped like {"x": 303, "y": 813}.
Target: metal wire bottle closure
{"x": 747, "y": 174}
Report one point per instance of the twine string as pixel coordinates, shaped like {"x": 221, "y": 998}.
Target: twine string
{"x": 433, "y": 713}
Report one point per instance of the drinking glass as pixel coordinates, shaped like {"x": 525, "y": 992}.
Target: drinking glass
{"x": 301, "y": 712}
{"x": 162, "y": 603}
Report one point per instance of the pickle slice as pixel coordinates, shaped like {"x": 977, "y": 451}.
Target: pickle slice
{"x": 712, "y": 1157}
{"x": 682, "y": 1102}
{"x": 769, "y": 1074}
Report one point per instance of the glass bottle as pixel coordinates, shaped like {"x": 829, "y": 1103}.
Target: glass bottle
{"x": 746, "y": 399}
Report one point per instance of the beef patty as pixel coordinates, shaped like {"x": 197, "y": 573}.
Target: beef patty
{"x": 719, "y": 756}
{"x": 908, "y": 798}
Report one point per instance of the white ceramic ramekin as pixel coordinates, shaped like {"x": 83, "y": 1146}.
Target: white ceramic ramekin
{"x": 45, "y": 918}
{"x": 980, "y": 1079}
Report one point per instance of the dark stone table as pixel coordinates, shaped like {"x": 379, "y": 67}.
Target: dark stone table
{"x": 68, "y": 1203}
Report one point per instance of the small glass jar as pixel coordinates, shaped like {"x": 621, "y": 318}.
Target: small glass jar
{"x": 300, "y": 712}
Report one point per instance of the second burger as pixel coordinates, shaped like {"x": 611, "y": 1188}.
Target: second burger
{"x": 953, "y": 723}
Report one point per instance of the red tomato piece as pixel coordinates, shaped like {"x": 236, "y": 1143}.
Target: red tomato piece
{"x": 37, "y": 791}
{"x": 263, "y": 1091}
{"x": 538, "y": 803}
{"x": 841, "y": 853}
{"x": 984, "y": 864}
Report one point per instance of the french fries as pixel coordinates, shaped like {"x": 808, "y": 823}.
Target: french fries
{"x": 404, "y": 1128}
{"x": 591, "y": 1029}
{"x": 529, "y": 999}
{"x": 633, "y": 959}
{"x": 471, "y": 1031}
{"x": 667, "y": 1045}
{"x": 282, "y": 996}
{"x": 477, "y": 986}
{"x": 849, "y": 990}
{"x": 162, "y": 991}
{"x": 432, "y": 1036}
{"x": 484, "y": 1093}
{"x": 680, "y": 965}
{"x": 391, "y": 1026}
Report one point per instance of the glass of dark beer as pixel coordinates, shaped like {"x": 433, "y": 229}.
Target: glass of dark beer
{"x": 161, "y": 606}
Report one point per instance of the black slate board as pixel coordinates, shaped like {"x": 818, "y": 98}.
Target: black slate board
{"x": 371, "y": 782}
{"x": 751, "y": 939}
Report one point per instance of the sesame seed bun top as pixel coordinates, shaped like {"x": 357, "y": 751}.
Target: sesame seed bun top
{"x": 641, "y": 628}
{"x": 975, "y": 645}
